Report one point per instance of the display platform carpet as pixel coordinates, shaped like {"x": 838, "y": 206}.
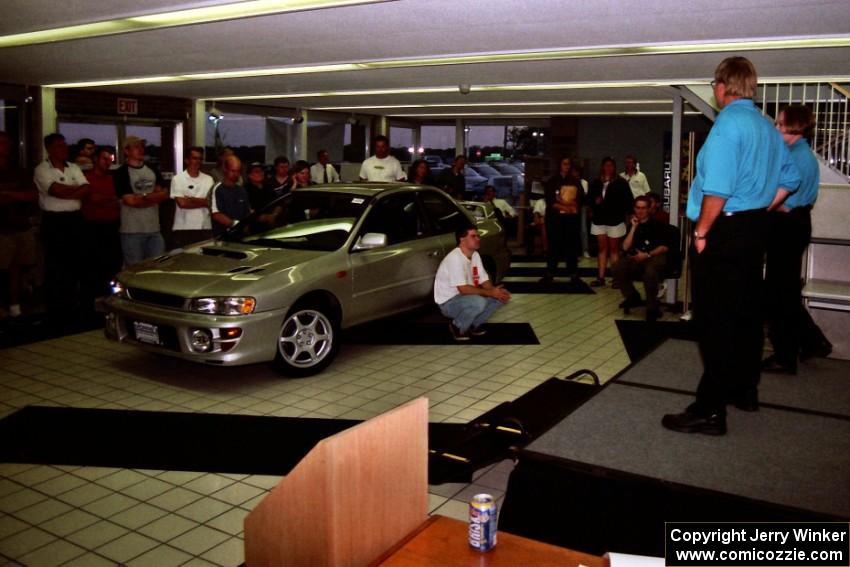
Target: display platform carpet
{"x": 612, "y": 460}
{"x": 822, "y": 385}
{"x": 641, "y": 337}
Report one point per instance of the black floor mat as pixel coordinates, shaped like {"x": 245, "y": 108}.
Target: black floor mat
{"x": 222, "y": 443}
{"x": 248, "y": 444}
{"x": 577, "y": 286}
{"x": 640, "y": 337}
{"x": 417, "y": 332}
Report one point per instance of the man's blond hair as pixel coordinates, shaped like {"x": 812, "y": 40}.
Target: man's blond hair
{"x": 738, "y": 75}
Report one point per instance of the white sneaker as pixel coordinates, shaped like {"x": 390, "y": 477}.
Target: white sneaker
{"x": 662, "y": 290}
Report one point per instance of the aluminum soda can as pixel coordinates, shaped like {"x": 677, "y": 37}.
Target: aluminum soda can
{"x": 482, "y": 522}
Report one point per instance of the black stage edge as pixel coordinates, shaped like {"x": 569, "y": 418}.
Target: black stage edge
{"x": 395, "y": 332}
{"x": 608, "y": 476}
{"x": 244, "y": 444}
{"x": 641, "y": 337}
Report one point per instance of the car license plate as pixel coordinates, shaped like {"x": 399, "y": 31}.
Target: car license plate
{"x": 146, "y": 332}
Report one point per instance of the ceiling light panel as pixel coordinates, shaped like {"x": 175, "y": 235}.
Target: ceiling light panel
{"x": 191, "y": 16}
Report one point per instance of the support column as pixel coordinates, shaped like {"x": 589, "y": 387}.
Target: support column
{"x": 675, "y": 176}
{"x": 460, "y": 138}
{"x": 417, "y": 138}
{"x": 45, "y": 110}
{"x": 381, "y": 127}
{"x": 300, "y": 149}
{"x": 198, "y": 125}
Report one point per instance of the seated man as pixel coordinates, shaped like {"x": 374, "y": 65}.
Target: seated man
{"x": 646, "y": 247}
{"x": 463, "y": 289}
{"x": 537, "y": 227}
{"x": 505, "y": 213}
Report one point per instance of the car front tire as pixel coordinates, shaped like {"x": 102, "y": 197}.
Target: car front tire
{"x": 307, "y": 342}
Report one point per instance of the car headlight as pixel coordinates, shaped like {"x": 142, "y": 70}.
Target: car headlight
{"x": 223, "y": 305}
{"x": 118, "y": 289}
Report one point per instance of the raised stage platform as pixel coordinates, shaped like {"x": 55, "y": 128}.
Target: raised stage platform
{"x": 608, "y": 476}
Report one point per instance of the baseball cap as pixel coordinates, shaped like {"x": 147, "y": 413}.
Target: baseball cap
{"x": 133, "y": 140}
{"x": 254, "y": 165}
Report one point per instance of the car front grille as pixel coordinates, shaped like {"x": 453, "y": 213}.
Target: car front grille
{"x": 156, "y": 298}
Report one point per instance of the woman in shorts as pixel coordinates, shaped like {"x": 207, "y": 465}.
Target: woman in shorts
{"x": 610, "y": 201}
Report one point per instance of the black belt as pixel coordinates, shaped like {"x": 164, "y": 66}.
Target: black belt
{"x": 804, "y": 208}
{"x": 750, "y": 212}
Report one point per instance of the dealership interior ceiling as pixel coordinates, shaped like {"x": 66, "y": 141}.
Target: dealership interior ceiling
{"x": 428, "y": 59}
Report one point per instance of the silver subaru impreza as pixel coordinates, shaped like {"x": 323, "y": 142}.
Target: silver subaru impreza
{"x": 280, "y": 285}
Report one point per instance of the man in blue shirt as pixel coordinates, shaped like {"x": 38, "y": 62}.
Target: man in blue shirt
{"x": 790, "y": 325}
{"x": 740, "y": 169}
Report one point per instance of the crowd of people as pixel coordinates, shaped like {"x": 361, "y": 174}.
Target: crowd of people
{"x": 94, "y": 218}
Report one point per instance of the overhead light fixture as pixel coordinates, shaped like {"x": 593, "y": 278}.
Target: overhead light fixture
{"x": 191, "y": 16}
{"x": 576, "y": 113}
{"x": 505, "y": 57}
{"x": 489, "y": 104}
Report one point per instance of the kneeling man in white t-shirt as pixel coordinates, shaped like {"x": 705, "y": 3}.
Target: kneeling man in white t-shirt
{"x": 463, "y": 289}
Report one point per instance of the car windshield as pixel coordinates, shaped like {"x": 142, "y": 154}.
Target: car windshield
{"x": 304, "y": 219}
{"x": 506, "y": 168}
{"x": 486, "y": 170}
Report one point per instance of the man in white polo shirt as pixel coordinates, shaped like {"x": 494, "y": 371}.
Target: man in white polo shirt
{"x": 190, "y": 190}
{"x": 382, "y": 167}
{"x": 637, "y": 179}
{"x": 463, "y": 290}
{"x": 61, "y": 186}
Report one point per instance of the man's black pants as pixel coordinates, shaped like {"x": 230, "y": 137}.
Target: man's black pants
{"x": 562, "y": 232}
{"x": 727, "y": 288}
{"x": 788, "y": 236}
{"x": 62, "y": 236}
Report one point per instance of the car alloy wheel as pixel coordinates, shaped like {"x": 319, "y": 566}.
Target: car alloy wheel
{"x": 306, "y": 339}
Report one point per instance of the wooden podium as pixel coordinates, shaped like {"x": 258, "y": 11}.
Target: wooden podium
{"x": 353, "y": 497}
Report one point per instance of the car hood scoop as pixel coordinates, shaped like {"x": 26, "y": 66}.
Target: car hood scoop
{"x": 224, "y": 252}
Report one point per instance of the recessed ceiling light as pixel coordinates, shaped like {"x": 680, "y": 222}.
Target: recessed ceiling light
{"x": 191, "y": 16}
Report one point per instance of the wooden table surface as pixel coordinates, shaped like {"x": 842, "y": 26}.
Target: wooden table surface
{"x": 442, "y": 542}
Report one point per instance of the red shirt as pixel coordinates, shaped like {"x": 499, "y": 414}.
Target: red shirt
{"x": 102, "y": 203}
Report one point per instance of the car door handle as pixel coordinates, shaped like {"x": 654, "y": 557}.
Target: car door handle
{"x": 434, "y": 253}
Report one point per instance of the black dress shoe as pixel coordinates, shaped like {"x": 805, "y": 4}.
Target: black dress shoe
{"x": 773, "y": 365}
{"x": 653, "y": 315}
{"x": 632, "y": 301}
{"x": 746, "y": 401}
{"x": 690, "y": 422}
{"x": 821, "y": 350}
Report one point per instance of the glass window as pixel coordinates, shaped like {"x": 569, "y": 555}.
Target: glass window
{"x": 401, "y": 143}
{"x": 443, "y": 212}
{"x": 397, "y": 216}
{"x": 439, "y": 141}
{"x": 245, "y": 134}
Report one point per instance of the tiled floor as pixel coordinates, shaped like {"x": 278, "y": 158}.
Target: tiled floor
{"x": 92, "y": 516}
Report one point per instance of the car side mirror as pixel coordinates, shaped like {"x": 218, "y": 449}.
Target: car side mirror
{"x": 371, "y": 240}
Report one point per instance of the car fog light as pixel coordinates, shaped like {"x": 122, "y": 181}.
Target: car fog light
{"x": 232, "y": 333}
{"x": 201, "y": 340}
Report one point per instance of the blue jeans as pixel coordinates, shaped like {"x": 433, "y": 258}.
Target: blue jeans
{"x": 138, "y": 246}
{"x": 469, "y": 310}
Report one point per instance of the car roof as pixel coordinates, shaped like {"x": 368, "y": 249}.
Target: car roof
{"x": 363, "y": 189}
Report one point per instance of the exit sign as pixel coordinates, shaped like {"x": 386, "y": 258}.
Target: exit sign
{"x": 128, "y": 106}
